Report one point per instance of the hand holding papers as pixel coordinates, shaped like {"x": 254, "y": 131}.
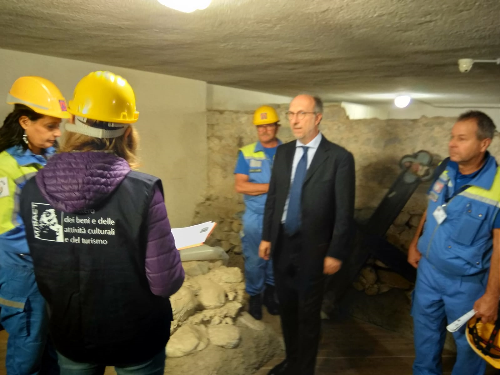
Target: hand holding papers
{"x": 192, "y": 236}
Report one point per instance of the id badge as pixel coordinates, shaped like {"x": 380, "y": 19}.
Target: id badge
{"x": 439, "y": 214}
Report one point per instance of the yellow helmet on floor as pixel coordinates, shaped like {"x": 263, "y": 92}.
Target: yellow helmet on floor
{"x": 265, "y": 115}
{"x": 106, "y": 97}
{"x": 484, "y": 340}
{"x": 39, "y": 94}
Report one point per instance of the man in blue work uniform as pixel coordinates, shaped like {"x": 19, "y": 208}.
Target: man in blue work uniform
{"x": 460, "y": 240}
{"x": 252, "y": 175}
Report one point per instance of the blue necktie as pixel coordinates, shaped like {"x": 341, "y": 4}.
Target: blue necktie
{"x": 292, "y": 221}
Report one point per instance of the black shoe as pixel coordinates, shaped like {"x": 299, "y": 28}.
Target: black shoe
{"x": 283, "y": 368}
{"x": 270, "y": 300}
{"x": 255, "y": 308}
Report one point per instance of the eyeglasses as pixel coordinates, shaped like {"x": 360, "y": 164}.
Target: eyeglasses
{"x": 266, "y": 127}
{"x": 300, "y": 115}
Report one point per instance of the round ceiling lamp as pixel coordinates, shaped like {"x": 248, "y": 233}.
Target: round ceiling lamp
{"x": 186, "y": 6}
{"x": 402, "y": 101}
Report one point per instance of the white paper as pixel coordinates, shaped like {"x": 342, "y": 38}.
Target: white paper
{"x": 192, "y": 236}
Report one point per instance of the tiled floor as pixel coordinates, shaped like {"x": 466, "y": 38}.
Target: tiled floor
{"x": 348, "y": 347}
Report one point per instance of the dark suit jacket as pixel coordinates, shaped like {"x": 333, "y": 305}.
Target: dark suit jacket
{"x": 327, "y": 203}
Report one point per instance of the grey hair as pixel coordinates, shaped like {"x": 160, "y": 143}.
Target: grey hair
{"x": 318, "y": 104}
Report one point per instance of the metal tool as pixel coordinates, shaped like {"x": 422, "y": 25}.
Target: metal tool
{"x": 370, "y": 235}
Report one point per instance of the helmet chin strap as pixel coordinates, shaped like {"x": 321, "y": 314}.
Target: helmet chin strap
{"x": 80, "y": 126}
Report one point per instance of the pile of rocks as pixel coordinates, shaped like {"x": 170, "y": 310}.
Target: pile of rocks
{"x": 207, "y": 309}
{"x": 376, "y": 278}
{"x": 402, "y": 231}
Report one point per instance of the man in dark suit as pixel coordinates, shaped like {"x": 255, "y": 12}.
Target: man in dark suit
{"x": 308, "y": 224}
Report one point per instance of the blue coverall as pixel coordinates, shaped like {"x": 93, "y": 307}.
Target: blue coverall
{"x": 258, "y": 271}
{"x": 23, "y": 313}
{"x": 453, "y": 271}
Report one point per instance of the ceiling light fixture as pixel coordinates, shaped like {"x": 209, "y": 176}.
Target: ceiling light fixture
{"x": 186, "y": 6}
{"x": 402, "y": 101}
{"x": 465, "y": 65}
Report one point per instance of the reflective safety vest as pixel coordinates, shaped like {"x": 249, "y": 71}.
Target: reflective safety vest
{"x": 260, "y": 167}
{"x": 462, "y": 244}
{"x": 17, "y": 166}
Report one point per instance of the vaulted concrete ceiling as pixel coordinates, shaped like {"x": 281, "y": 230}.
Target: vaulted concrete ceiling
{"x": 354, "y": 50}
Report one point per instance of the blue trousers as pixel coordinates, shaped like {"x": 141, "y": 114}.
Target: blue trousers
{"x": 25, "y": 319}
{"x": 155, "y": 366}
{"x": 438, "y": 300}
{"x": 258, "y": 271}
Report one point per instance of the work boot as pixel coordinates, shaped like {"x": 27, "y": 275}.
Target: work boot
{"x": 255, "y": 308}
{"x": 282, "y": 368}
{"x": 270, "y": 300}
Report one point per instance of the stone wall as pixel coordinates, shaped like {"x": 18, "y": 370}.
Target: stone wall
{"x": 377, "y": 146}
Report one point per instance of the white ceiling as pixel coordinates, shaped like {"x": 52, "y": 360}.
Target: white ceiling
{"x": 353, "y": 50}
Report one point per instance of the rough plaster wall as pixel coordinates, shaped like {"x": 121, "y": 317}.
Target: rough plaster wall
{"x": 172, "y": 122}
{"x": 377, "y": 146}
{"x": 355, "y": 50}
{"x": 415, "y": 110}
{"x": 228, "y": 98}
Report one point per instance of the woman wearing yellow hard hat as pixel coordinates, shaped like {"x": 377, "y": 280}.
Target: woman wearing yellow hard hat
{"x": 107, "y": 261}
{"x": 27, "y": 140}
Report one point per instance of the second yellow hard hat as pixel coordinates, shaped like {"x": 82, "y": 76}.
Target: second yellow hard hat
{"x": 104, "y": 96}
{"x": 265, "y": 115}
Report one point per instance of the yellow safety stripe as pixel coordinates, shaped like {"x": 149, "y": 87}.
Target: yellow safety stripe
{"x": 16, "y": 175}
{"x": 480, "y": 198}
{"x": 248, "y": 149}
{"x": 6, "y": 302}
{"x": 248, "y": 152}
{"x": 17, "y": 204}
{"x": 491, "y": 196}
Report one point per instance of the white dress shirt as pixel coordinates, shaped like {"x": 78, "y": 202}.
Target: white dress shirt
{"x": 299, "y": 151}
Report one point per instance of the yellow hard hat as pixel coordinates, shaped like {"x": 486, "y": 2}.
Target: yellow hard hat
{"x": 39, "y": 94}
{"x": 484, "y": 340}
{"x": 106, "y": 97}
{"x": 265, "y": 115}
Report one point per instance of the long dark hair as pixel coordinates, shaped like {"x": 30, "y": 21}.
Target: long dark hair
{"x": 11, "y": 133}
